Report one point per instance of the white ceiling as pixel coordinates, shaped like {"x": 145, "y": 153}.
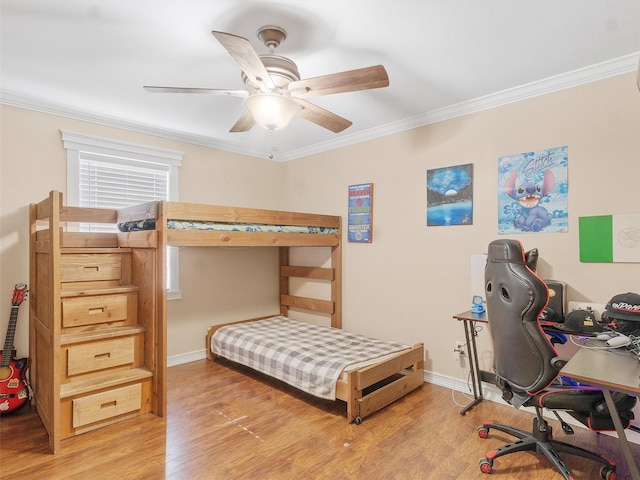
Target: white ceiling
{"x": 89, "y": 59}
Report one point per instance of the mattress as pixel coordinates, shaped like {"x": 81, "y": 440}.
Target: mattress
{"x": 150, "y": 224}
{"x": 306, "y": 356}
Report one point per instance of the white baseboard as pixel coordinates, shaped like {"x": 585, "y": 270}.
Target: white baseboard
{"x": 174, "y": 360}
{"x": 489, "y": 392}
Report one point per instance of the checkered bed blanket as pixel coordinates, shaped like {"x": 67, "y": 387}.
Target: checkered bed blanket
{"x": 306, "y": 356}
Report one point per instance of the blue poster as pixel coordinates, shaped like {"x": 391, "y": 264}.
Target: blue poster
{"x": 450, "y": 196}
{"x": 533, "y": 192}
{"x": 360, "y": 213}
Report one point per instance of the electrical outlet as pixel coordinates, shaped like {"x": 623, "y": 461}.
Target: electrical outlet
{"x": 598, "y": 308}
{"x": 458, "y": 350}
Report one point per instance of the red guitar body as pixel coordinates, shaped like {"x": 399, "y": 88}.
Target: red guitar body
{"x": 14, "y": 390}
{"x": 14, "y": 387}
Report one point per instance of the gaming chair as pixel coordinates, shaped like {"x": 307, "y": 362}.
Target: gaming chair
{"x": 526, "y": 365}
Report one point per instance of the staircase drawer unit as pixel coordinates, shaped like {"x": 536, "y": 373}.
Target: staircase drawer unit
{"x": 96, "y": 318}
{"x": 104, "y": 399}
{"x": 105, "y": 405}
{"x": 95, "y": 362}
{"x": 82, "y": 311}
{"x": 87, "y": 267}
{"x": 96, "y": 356}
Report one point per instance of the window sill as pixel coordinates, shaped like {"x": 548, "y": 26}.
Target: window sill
{"x": 174, "y": 295}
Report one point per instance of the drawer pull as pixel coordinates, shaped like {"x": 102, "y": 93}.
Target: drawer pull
{"x": 109, "y": 404}
{"x": 102, "y": 355}
{"x": 91, "y": 269}
{"x": 95, "y": 311}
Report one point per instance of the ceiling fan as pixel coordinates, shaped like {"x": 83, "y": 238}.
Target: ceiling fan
{"x": 275, "y": 93}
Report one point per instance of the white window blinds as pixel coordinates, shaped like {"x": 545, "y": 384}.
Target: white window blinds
{"x": 116, "y": 184}
{"x": 106, "y": 173}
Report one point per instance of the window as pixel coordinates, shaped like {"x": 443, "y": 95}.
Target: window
{"x": 113, "y": 174}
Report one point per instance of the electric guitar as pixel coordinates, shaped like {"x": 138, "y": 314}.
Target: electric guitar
{"x": 14, "y": 387}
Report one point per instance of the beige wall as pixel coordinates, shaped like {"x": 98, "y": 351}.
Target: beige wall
{"x": 407, "y": 284}
{"x": 33, "y": 162}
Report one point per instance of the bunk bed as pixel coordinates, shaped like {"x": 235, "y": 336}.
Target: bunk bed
{"x": 76, "y": 281}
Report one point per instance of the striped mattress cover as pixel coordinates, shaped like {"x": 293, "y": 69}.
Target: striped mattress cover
{"x": 307, "y": 356}
{"x": 150, "y": 224}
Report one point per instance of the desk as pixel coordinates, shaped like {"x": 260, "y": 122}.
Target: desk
{"x": 616, "y": 370}
{"x": 469, "y": 318}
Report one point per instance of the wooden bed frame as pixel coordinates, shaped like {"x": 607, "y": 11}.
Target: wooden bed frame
{"x": 53, "y": 233}
{"x": 394, "y": 377}
{"x": 368, "y": 389}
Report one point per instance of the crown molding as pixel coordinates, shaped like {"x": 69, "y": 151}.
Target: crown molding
{"x": 593, "y": 73}
{"x": 39, "y": 105}
{"x": 601, "y": 71}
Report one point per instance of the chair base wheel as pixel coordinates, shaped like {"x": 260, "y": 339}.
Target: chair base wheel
{"x": 608, "y": 473}
{"x": 486, "y": 465}
{"x": 540, "y": 441}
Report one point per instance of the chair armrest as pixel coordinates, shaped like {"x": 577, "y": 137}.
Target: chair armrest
{"x": 558, "y": 362}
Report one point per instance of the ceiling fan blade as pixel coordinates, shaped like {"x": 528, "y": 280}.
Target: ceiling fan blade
{"x": 349, "y": 81}
{"x": 244, "y": 123}
{"x": 322, "y": 117}
{"x": 210, "y": 91}
{"x": 243, "y": 53}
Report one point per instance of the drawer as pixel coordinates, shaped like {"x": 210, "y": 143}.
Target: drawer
{"x": 92, "y": 310}
{"x": 91, "y": 357}
{"x": 87, "y": 267}
{"x": 101, "y": 406}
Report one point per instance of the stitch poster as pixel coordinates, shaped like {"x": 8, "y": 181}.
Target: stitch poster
{"x": 533, "y": 192}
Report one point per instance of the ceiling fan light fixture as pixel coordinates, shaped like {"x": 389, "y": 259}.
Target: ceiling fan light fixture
{"x": 270, "y": 110}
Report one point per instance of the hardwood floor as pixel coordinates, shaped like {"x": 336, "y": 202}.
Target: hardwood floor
{"x": 226, "y": 422}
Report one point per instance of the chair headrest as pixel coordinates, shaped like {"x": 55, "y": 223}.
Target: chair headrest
{"x": 507, "y": 251}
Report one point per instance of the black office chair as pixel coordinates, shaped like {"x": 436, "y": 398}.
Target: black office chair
{"x": 526, "y": 365}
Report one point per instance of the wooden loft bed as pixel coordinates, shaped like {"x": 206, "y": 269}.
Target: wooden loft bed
{"x": 325, "y": 230}
{"x": 196, "y": 225}
{"x": 366, "y": 389}
{"x": 98, "y": 304}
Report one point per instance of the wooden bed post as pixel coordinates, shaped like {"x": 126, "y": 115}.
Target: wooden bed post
{"x": 44, "y": 317}
{"x": 56, "y": 313}
{"x": 354, "y": 397}
{"x": 160, "y": 354}
{"x": 284, "y": 280}
{"x": 336, "y": 285}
